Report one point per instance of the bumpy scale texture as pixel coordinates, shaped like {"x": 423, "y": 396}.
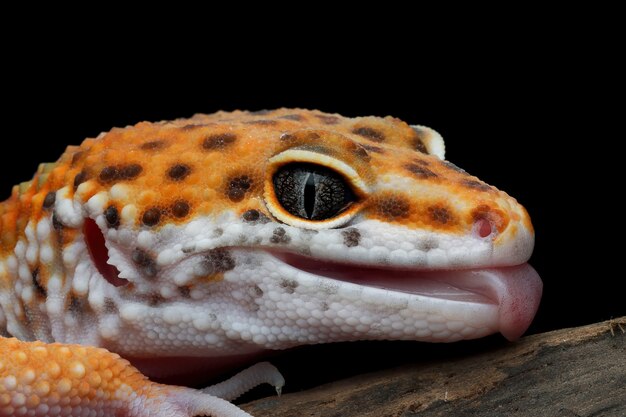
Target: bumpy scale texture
{"x": 167, "y": 239}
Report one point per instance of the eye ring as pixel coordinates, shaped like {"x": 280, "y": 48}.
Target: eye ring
{"x": 339, "y": 190}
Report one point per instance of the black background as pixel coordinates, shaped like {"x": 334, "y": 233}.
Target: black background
{"x": 537, "y": 119}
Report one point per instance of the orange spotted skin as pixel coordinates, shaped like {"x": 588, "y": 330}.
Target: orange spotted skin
{"x": 52, "y": 376}
{"x": 184, "y": 160}
{"x": 172, "y": 172}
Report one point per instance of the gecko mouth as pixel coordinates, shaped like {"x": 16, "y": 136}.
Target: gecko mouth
{"x": 99, "y": 254}
{"x": 514, "y": 290}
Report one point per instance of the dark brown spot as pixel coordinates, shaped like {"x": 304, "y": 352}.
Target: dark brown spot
{"x": 80, "y": 178}
{"x": 75, "y": 305}
{"x": 477, "y": 185}
{"x": 372, "y": 148}
{"x": 440, "y": 214}
{"x": 280, "y": 236}
{"x": 180, "y": 208}
{"x": 454, "y": 167}
{"x": 112, "y": 217}
{"x": 394, "y": 207}
{"x": 121, "y": 172}
{"x": 289, "y": 285}
{"x": 37, "y": 284}
{"x": 251, "y": 215}
{"x": 236, "y": 194}
{"x": 257, "y": 290}
{"x": 185, "y": 292}
{"x": 288, "y": 137}
{"x": 56, "y": 223}
{"x": 369, "y": 133}
{"x": 219, "y": 141}
{"x": 238, "y": 187}
{"x": 109, "y": 306}
{"x": 296, "y": 117}
{"x": 328, "y": 119}
{"x": 50, "y": 199}
{"x": 351, "y": 237}
{"x": 420, "y": 171}
{"x": 77, "y": 157}
{"x": 262, "y": 122}
{"x": 140, "y": 257}
{"x": 254, "y": 216}
{"x": 152, "y": 145}
{"x": 152, "y": 216}
{"x": 108, "y": 174}
{"x": 128, "y": 172}
{"x": 146, "y": 262}
{"x": 178, "y": 172}
{"x": 216, "y": 261}
{"x": 155, "y": 299}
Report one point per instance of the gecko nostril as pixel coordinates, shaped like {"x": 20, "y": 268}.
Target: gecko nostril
{"x": 483, "y": 228}
{"x": 100, "y": 255}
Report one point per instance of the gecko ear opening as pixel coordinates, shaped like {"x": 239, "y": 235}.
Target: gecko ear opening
{"x": 100, "y": 255}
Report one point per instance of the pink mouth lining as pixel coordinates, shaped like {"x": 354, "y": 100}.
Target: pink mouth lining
{"x": 516, "y": 290}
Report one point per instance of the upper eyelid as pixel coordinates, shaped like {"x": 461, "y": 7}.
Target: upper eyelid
{"x": 295, "y": 155}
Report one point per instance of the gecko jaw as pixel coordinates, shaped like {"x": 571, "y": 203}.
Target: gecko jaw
{"x": 515, "y": 290}
{"x": 510, "y": 293}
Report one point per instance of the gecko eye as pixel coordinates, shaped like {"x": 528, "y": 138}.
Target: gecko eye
{"x": 311, "y": 191}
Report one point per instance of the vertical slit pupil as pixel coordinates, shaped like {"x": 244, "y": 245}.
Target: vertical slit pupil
{"x": 309, "y": 195}
{"x": 312, "y": 192}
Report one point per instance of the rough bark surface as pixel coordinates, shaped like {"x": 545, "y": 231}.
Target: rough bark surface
{"x": 571, "y": 372}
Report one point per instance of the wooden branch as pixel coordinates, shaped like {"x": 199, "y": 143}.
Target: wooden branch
{"x": 569, "y": 373}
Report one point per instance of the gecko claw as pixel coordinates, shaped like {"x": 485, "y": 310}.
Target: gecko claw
{"x": 257, "y": 374}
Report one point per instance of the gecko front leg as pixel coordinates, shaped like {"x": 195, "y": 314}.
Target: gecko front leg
{"x": 39, "y": 379}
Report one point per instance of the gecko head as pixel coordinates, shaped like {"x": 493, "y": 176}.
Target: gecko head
{"x": 232, "y": 233}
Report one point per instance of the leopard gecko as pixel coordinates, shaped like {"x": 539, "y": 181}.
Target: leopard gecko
{"x": 177, "y": 249}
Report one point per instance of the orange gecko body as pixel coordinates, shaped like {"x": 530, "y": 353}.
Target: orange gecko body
{"x": 199, "y": 238}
